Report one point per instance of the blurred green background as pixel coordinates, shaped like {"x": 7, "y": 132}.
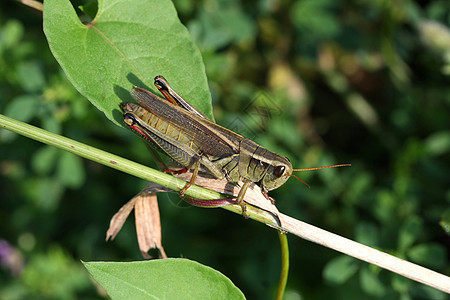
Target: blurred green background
{"x": 319, "y": 81}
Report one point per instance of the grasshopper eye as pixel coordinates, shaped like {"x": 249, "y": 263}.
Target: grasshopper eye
{"x": 129, "y": 119}
{"x": 278, "y": 171}
{"x": 161, "y": 83}
{"x": 158, "y": 83}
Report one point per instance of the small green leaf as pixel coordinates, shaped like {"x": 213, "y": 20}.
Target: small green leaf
{"x": 53, "y": 275}
{"x": 438, "y": 143}
{"x": 172, "y": 278}
{"x": 316, "y": 17}
{"x": 70, "y": 170}
{"x": 217, "y": 28}
{"x": 12, "y": 33}
{"x": 401, "y": 284}
{"x": 128, "y": 43}
{"x": 22, "y": 108}
{"x": 370, "y": 283}
{"x": 409, "y": 232}
{"x": 31, "y": 76}
{"x": 44, "y": 159}
{"x": 421, "y": 291}
{"x": 340, "y": 269}
{"x": 430, "y": 254}
{"x": 44, "y": 192}
{"x": 367, "y": 234}
{"x": 445, "y": 221}
{"x": 51, "y": 124}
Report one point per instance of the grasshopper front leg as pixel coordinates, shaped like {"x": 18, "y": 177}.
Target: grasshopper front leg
{"x": 241, "y": 195}
{"x": 266, "y": 194}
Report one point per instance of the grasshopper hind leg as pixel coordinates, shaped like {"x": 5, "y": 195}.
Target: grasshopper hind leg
{"x": 239, "y": 200}
{"x": 223, "y": 173}
{"x": 192, "y": 180}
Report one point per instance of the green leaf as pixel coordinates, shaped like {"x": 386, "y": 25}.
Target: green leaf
{"x": 44, "y": 192}
{"x": 70, "y": 170}
{"x": 31, "y": 76}
{"x": 53, "y": 275}
{"x": 409, "y": 232}
{"x": 51, "y": 124}
{"x": 367, "y": 234}
{"x": 44, "y": 159}
{"x": 340, "y": 269}
{"x": 431, "y": 254}
{"x": 438, "y": 143}
{"x": 128, "y": 43}
{"x": 172, "y": 278}
{"x": 421, "y": 291}
{"x": 316, "y": 17}
{"x": 445, "y": 221}
{"x": 216, "y": 28}
{"x": 12, "y": 33}
{"x": 22, "y": 108}
{"x": 371, "y": 283}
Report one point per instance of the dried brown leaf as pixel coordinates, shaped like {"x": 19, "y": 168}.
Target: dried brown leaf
{"x": 118, "y": 219}
{"x": 148, "y": 225}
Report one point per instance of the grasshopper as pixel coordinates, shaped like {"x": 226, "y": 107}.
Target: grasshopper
{"x": 188, "y": 137}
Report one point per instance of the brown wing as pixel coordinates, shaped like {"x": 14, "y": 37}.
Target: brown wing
{"x": 215, "y": 140}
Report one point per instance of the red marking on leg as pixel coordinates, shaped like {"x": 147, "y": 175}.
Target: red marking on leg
{"x": 210, "y": 203}
{"x": 168, "y": 97}
{"x": 216, "y": 203}
{"x": 176, "y": 172}
{"x": 138, "y": 130}
{"x": 143, "y": 134}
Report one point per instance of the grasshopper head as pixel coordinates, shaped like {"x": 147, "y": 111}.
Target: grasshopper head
{"x": 277, "y": 174}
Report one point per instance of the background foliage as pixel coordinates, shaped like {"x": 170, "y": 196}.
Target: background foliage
{"x": 321, "y": 82}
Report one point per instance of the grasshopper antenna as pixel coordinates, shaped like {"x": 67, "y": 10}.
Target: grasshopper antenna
{"x": 317, "y": 168}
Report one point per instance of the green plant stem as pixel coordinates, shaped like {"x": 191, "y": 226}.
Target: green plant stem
{"x": 291, "y": 225}
{"x": 128, "y": 166}
{"x": 284, "y": 264}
